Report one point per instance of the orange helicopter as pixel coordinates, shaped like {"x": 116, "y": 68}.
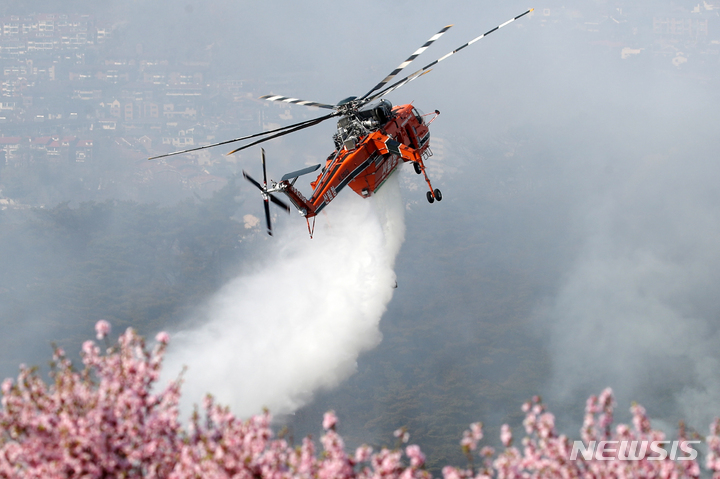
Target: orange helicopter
{"x": 373, "y": 138}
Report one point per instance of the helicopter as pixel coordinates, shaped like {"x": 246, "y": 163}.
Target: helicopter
{"x": 373, "y": 138}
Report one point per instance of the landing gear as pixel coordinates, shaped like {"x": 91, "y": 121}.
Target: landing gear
{"x": 431, "y": 198}
{"x": 433, "y": 194}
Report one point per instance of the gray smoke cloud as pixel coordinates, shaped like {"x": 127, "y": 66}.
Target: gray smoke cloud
{"x": 638, "y": 310}
{"x": 298, "y": 321}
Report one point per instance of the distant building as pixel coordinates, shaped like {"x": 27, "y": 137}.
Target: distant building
{"x": 115, "y": 109}
{"x": 83, "y": 150}
{"x": 10, "y": 145}
{"x": 87, "y": 94}
{"x": 680, "y": 26}
{"x": 53, "y": 149}
{"x": 49, "y": 32}
{"x": 188, "y": 112}
{"x": 146, "y": 142}
{"x": 183, "y": 138}
{"x": 38, "y": 146}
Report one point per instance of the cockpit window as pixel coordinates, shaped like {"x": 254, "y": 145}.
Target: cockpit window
{"x": 419, "y": 115}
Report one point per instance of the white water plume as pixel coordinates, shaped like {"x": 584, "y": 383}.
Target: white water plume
{"x": 299, "y": 320}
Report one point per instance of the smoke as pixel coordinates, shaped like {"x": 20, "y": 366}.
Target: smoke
{"x": 638, "y": 310}
{"x": 298, "y": 321}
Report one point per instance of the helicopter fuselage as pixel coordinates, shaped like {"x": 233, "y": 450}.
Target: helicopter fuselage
{"x": 370, "y": 145}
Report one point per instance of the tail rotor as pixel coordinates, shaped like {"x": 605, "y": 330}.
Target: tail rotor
{"x": 266, "y": 194}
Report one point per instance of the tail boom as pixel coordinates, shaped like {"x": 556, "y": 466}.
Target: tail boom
{"x": 304, "y": 207}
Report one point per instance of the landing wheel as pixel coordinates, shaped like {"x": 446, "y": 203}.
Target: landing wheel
{"x": 438, "y": 195}
{"x": 430, "y": 197}
{"x": 417, "y": 168}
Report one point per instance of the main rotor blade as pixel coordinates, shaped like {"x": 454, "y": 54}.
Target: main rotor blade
{"x": 297, "y": 128}
{"x": 252, "y": 180}
{"x": 278, "y": 202}
{"x": 255, "y": 135}
{"x": 296, "y": 101}
{"x": 409, "y": 60}
{"x": 416, "y": 74}
{"x": 408, "y": 79}
{"x": 267, "y": 216}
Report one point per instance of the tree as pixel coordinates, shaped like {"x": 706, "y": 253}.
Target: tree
{"x": 105, "y": 421}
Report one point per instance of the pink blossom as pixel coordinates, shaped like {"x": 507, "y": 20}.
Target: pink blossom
{"x": 362, "y": 453}
{"x": 329, "y": 420}
{"x": 112, "y": 419}
{"x": 102, "y": 328}
{"x": 506, "y": 435}
{"x": 450, "y": 472}
{"x": 467, "y": 442}
{"x": 162, "y": 337}
{"x": 7, "y": 386}
{"x": 402, "y": 434}
{"x": 476, "y": 429}
{"x": 417, "y": 458}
